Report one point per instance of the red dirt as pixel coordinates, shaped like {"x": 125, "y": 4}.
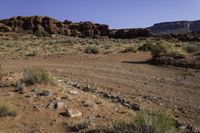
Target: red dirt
{"x": 175, "y": 90}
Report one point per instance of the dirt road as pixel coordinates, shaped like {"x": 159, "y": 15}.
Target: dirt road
{"x": 175, "y": 90}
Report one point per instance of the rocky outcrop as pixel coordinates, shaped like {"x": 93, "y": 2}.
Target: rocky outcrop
{"x": 39, "y": 24}
{"x": 178, "y": 27}
{"x": 129, "y": 33}
{"x": 53, "y": 26}
{"x": 191, "y": 36}
{"x": 5, "y": 28}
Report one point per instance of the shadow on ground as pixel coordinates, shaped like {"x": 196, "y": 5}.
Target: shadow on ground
{"x": 136, "y": 62}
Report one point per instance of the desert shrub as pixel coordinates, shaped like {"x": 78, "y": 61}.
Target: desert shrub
{"x": 6, "y": 111}
{"x": 37, "y": 76}
{"x": 91, "y": 50}
{"x": 177, "y": 54}
{"x": 42, "y": 34}
{"x": 29, "y": 32}
{"x": 2, "y": 30}
{"x": 3, "y": 72}
{"x": 148, "y": 122}
{"x": 33, "y": 53}
{"x": 163, "y": 48}
{"x": 106, "y": 46}
{"x": 144, "y": 47}
{"x": 160, "y": 48}
{"x": 81, "y": 125}
{"x": 130, "y": 49}
{"x": 192, "y": 48}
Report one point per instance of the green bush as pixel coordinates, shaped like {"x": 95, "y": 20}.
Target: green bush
{"x": 2, "y": 30}
{"x": 177, "y": 54}
{"x": 144, "y": 47}
{"x": 160, "y": 48}
{"x": 192, "y": 48}
{"x": 148, "y": 122}
{"x": 163, "y": 48}
{"x": 6, "y": 111}
{"x": 37, "y": 76}
{"x": 91, "y": 50}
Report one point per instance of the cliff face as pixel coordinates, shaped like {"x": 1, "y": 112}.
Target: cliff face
{"x": 53, "y": 26}
{"x": 179, "y": 27}
{"x": 36, "y": 24}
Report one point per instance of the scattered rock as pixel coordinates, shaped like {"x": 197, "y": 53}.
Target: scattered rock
{"x": 21, "y": 87}
{"x": 55, "y": 104}
{"x": 76, "y": 85}
{"x": 89, "y": 88}
{"x": 45, "y": 93}
{"x": 88, "y": 104}
{"x": 51, "y": 105}
{"x": 59, "y": 105}
{"x": 73, "y": 113}
{"x": 67, "y": 97}
{"x": 73, "y": 92}
{"x": 2, "y": 84}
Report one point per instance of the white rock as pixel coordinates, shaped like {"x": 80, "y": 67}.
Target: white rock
{"x": 73, "y": 92}
{"x": 59, "y": 105}
{"x": 56, "y": 105}
{"x": 73, "y": 113}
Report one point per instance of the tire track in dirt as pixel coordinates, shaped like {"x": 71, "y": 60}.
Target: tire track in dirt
{"x": 166, "y": 87}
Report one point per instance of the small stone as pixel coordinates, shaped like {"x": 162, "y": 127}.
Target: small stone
{"x": 73, "y": 113}
{"x": 20, "y": 87}
{"x": 57, "y": 98}
{"x": 55, "y": 105}
{"x": 59, "y": 105}
{"x": 73, "y": 92}
{"x": 1, "y": 84}
{"x": 76, "y": 85}
{"x": 45, "y": 93}
{"x": 88, "y": 103}
{"x": 51, "y": 105}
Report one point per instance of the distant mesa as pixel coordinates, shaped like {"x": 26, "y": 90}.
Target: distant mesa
{"x": 177, "y": 27}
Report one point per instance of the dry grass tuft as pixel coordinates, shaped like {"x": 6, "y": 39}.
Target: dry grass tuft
{"x": 37, "y": 76}
{"x": 5, "y": 110}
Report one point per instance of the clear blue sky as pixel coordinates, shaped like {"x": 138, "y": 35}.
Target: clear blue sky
{"x": 115, "y": 13}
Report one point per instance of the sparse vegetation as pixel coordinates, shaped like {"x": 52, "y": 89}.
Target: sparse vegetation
{"x": 82, "y": 125}
{"x": 177, "y": 54}
{"x": 3, "y": 72}
{"x": 148, "y": 122}
{"x": 91, "y": 50}
{"x": 33, "y": 53}
{"x": 42, "y": 34}
{"x": 6, "y": 111}
{"x": 192, "y": 48}
{"x": 160, "y": 48}
{"x": 37, "y": 76}
{"x": 130, "y": 49}
{"x": 163, "y": 48}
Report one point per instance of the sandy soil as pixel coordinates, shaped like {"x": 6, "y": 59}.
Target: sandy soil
{"x": 170, "y": 89}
